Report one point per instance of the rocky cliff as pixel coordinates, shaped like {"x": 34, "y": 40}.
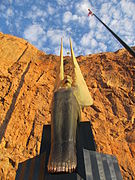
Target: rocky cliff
{"x": 27, "y": 78}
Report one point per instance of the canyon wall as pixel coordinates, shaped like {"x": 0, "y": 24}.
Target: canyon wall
{"x": 27, "y": 78}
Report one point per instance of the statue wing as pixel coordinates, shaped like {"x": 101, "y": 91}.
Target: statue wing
{"x": 80, "y": 88}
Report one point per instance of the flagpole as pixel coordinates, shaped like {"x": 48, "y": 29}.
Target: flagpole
{"x": 130, "y": 50}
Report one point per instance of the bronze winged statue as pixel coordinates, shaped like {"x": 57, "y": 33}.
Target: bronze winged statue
{"x": 70, "y": 95}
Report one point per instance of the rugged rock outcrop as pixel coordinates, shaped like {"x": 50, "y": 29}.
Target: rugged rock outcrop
{"x": 27, "y": 77}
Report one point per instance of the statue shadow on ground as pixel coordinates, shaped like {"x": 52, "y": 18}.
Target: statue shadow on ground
{"x": 36, "y": 167}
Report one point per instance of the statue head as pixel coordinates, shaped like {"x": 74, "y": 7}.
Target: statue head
{"x": 67, "y": 82}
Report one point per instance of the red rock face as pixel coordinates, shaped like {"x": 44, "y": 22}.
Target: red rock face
{"x": 27, "y": 78}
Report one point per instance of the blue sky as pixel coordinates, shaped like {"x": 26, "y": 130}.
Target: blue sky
{"x": 44, "y": 22}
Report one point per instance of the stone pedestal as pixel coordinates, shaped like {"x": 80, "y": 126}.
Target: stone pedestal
{"x": 90, "y": 164}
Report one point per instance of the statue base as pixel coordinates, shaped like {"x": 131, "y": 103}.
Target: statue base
{"x": 90, "y": 164}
